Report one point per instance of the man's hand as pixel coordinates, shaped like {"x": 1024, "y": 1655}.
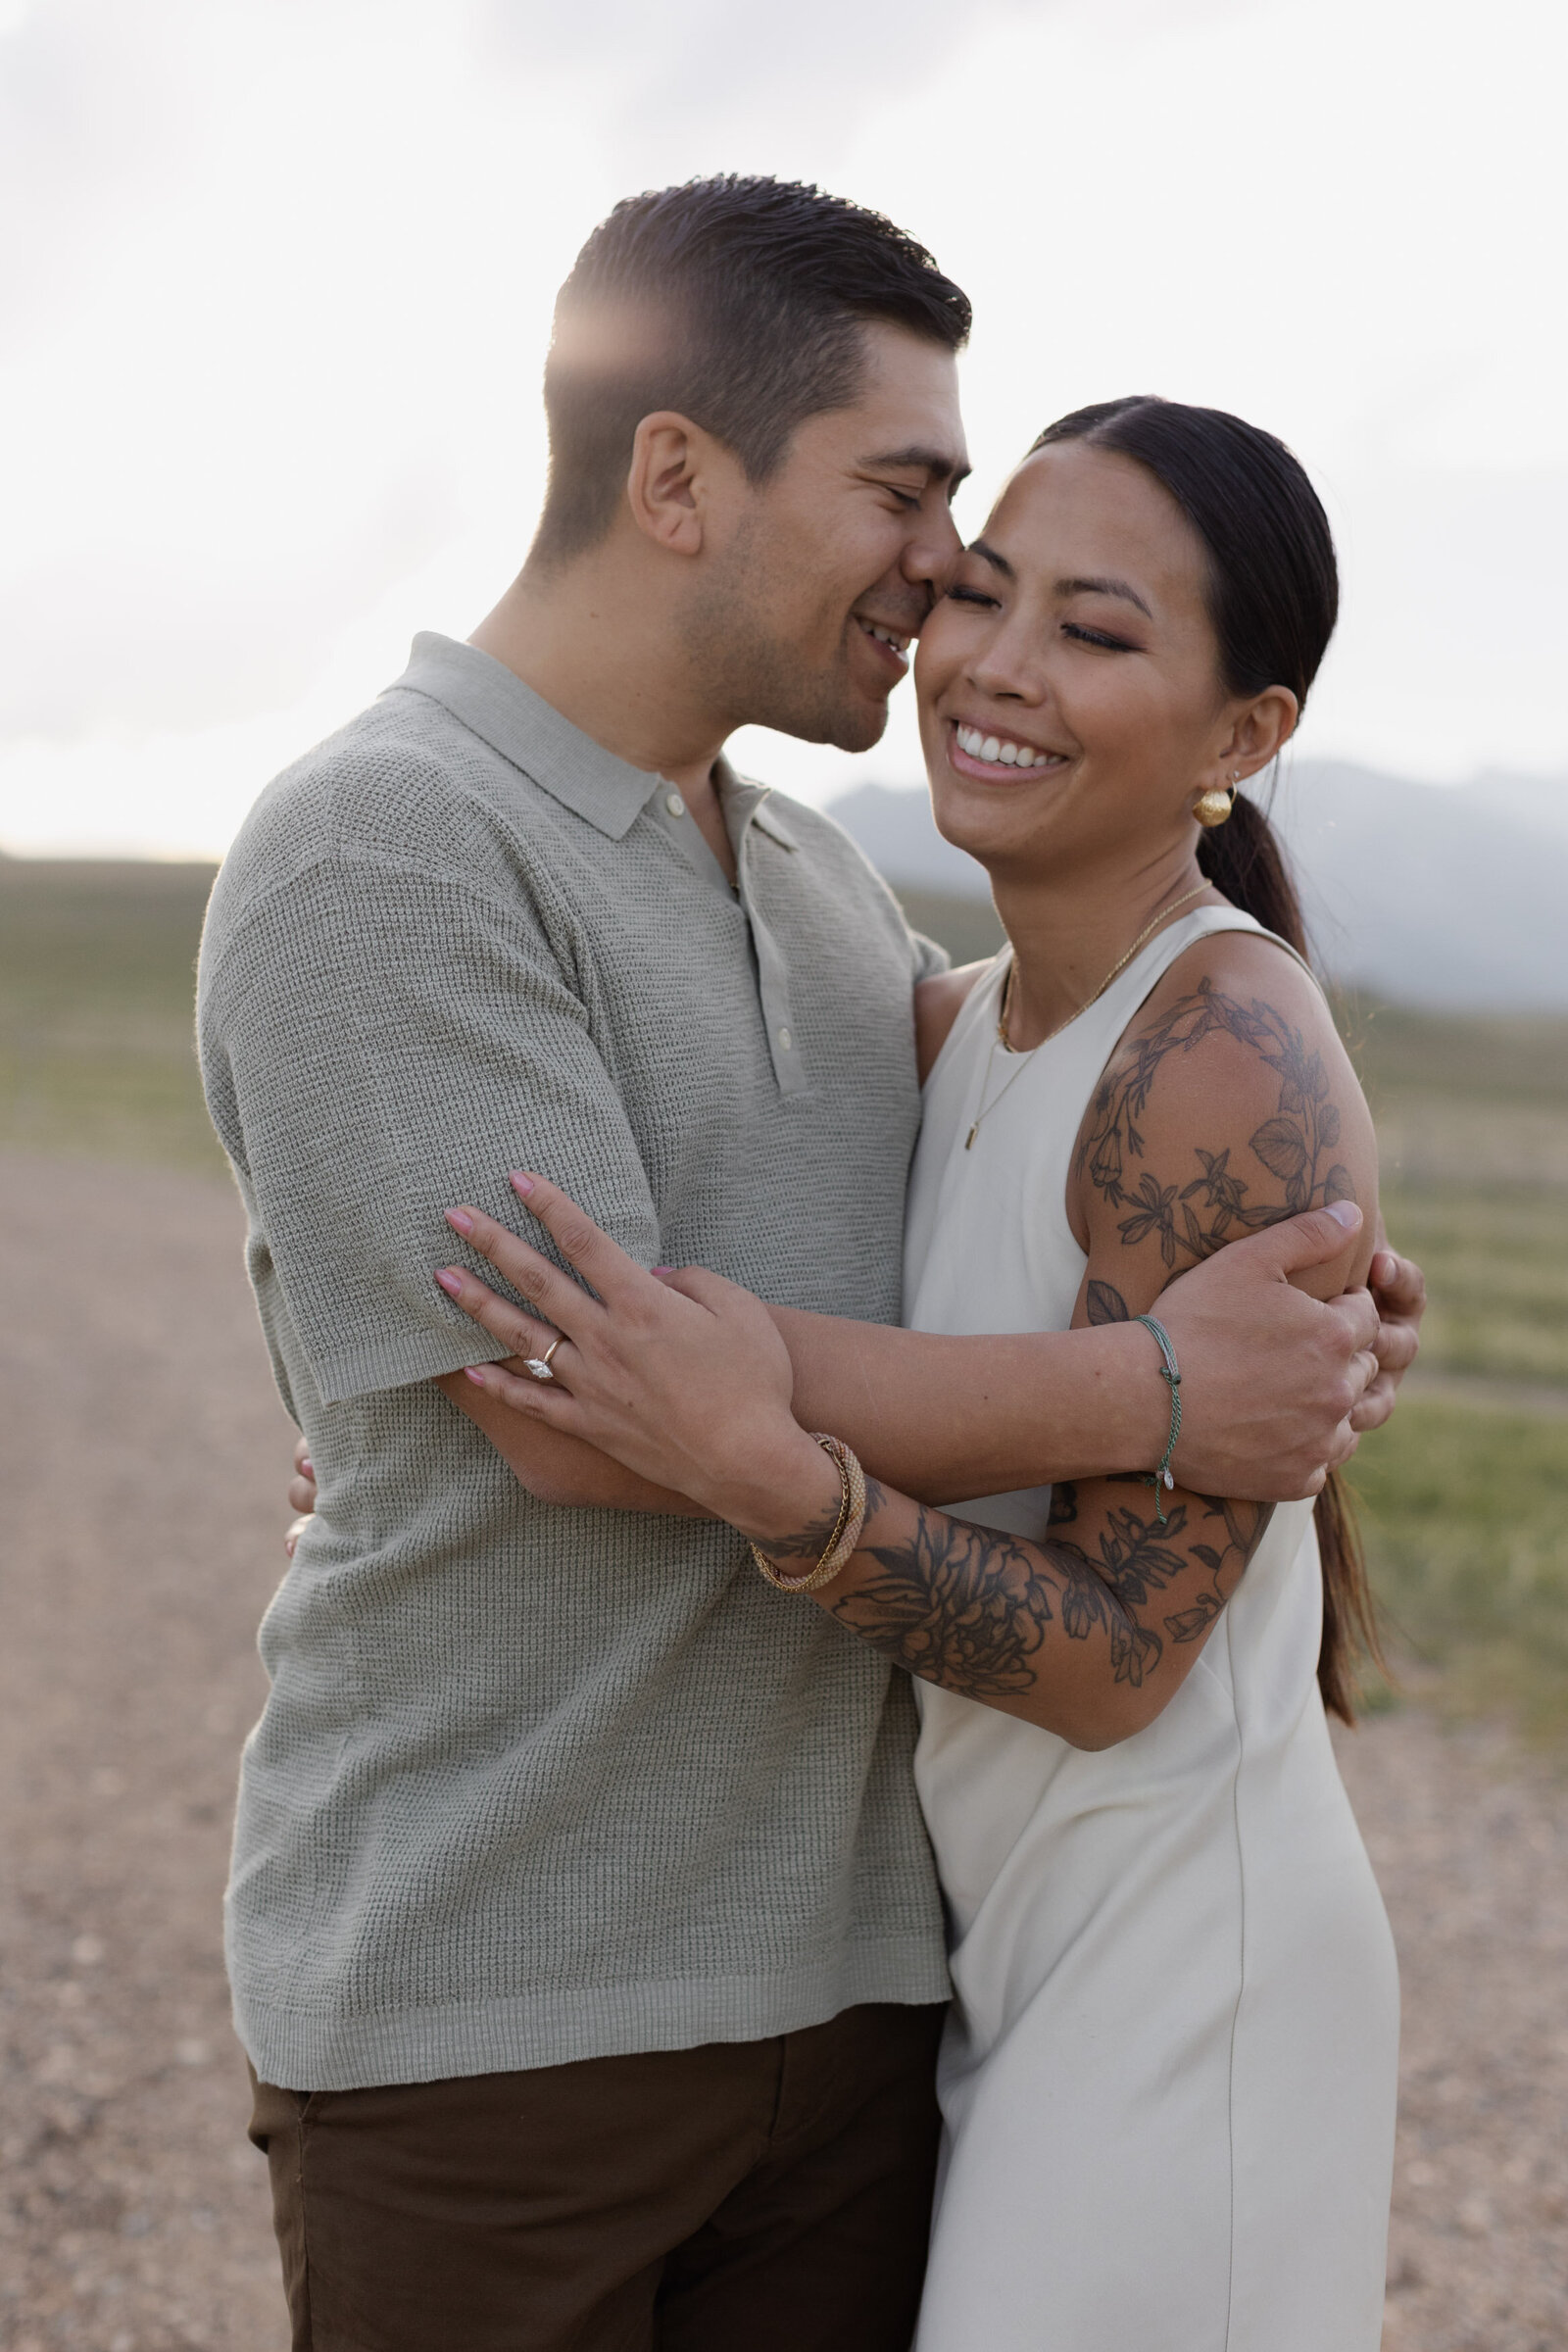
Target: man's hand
{"x": 300, "y": 1494}
{"x": 1271, "y": 1379}
{"x": 1399, "y": 1294}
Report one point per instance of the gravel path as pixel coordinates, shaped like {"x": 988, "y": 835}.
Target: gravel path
{"x": 141, "y": 1460}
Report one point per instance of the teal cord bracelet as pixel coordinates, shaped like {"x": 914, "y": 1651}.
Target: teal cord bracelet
{"x": 1170, "y": 1373}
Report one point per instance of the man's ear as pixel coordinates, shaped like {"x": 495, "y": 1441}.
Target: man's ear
{"x": 678, "y": 479}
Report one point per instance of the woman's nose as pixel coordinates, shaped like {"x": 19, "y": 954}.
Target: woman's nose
{"x": 1006, "y": 670}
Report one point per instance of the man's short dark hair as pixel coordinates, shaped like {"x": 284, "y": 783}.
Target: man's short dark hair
{"x": 738, "y": 303}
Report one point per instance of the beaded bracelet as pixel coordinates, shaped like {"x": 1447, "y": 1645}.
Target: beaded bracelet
{"x": 847, "y": 1528}
{"x": 1170, "y": 1374}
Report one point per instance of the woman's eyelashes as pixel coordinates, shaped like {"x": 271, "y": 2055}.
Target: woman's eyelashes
{"x": 1113, "y": 645}
{"x": 959, "y": 594}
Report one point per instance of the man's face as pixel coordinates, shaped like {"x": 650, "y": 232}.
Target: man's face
{"x": 843, "y": 548}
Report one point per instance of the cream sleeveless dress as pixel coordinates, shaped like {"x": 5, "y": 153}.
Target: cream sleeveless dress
{"x": 1168, "y": 2080}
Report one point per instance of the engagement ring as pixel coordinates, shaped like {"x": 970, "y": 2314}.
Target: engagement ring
{"x": 539, "y": 1365}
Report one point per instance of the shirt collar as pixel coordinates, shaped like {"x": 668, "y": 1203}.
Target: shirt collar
{"x": 493, "y": 703}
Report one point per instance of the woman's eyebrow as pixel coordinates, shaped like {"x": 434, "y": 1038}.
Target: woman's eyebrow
{"x": 989, "y": 554}
{"x": 1129, "y": 595}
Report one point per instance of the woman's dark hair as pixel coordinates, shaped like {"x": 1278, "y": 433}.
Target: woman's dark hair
{"x": 1273, "y": 598}
{"x": 738, "y": 303}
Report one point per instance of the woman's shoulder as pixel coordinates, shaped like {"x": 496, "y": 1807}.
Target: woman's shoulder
{"x": 938, "y": 1003}
{"x": 1232, "y": 984}
{"x": 1229, "y": 1102}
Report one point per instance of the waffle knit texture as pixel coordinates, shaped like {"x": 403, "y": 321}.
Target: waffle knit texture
{"x": 535, "y": 1784}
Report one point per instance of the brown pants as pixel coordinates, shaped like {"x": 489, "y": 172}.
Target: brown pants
{"x": 749, "y": 2196}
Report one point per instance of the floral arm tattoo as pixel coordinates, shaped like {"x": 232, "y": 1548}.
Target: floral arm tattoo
{"x": 977, "y": 1610}
{"x": 984, "y": 1614}
{"x": 1297, "y": 1145}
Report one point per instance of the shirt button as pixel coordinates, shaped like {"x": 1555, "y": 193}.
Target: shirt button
{"x": 675, "y": 803}
{"x": 785, "y": 1039}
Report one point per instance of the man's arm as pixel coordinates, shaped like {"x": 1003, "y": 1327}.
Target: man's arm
{"x": 1270, "y": 1380}
{"x": 377, "y": 1038}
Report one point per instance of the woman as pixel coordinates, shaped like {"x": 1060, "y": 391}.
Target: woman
{"x": 1169, "y": 2077}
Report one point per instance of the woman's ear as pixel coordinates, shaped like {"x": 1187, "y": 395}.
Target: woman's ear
{"x": 1260, "y": 733}
{"x": 678, "y": 474}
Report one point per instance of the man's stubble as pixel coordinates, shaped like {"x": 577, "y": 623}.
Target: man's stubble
{"x": 759, "y": 674}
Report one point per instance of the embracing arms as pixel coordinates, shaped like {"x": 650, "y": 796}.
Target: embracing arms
{"x": 1277, "y": 1387}
{"x": 1090, "y": 1630}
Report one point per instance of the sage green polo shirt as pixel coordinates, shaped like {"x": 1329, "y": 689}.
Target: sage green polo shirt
{"x": 536, "y": 1783}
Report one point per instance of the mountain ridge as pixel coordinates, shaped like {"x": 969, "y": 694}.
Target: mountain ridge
{"x": 1448, "y": 896}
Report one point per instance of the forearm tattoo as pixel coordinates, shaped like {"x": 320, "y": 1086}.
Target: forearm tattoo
{"x": 1297, "y": 1145}
{"x": 972, "y": 1608}
{"x": 811, "y": 1541}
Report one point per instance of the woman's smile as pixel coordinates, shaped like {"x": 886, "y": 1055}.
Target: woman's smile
{"x": 985, "y": 753}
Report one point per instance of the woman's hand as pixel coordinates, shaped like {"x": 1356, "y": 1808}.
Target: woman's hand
{"x": 681, "y": 1377}
{"x": 1400, "y": 1292}
{"x": 301, "y": 1493}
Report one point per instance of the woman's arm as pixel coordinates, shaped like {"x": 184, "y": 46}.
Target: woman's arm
{"x": 554, "y": 1467}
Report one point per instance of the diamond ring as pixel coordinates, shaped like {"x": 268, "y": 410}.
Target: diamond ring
{"x": 539, "y": 1365}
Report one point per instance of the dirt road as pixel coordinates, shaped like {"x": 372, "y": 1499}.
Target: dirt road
{"x": 142, "y": 1455}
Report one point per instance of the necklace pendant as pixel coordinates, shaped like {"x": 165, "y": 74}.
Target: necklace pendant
{"x": 969, "y": 1141}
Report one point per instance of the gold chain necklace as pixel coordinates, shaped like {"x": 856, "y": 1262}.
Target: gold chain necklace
{"x": 1005, "y": 1013}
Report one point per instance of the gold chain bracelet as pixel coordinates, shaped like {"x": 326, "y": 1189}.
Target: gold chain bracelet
{"x": 847, "y": 1528}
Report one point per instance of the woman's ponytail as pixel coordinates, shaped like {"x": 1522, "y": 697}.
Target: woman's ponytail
{"x": 1244, "y": 858}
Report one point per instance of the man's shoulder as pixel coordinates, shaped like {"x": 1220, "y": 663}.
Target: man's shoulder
{"x": 403, "y": 787}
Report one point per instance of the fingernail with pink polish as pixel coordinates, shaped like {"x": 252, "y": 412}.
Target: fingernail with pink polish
{"x": 663, "y": 1269}
{"x": 460, "y": 1221}
{"x": 473, "y": 1373}
{"x": 520, "y": 1184}
{"x": 307, "y": 1465}
{"x": 451, "y": 1282}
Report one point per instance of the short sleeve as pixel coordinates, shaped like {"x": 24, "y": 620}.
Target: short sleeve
{"x": 378, "y": 1046}
{"x": 929, "y": 958}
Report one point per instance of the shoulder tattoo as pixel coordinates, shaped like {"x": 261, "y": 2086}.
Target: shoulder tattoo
{"x": 1297, "y": 1145}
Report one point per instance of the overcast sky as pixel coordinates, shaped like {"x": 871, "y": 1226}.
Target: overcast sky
{"x": 277, "y": 282}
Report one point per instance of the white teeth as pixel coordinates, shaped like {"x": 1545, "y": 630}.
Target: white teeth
{"x": 886, "y": 636}
{"x": 997, "y": 750}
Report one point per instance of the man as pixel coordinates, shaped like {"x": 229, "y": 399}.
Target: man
{"x": 583, "y": 1928}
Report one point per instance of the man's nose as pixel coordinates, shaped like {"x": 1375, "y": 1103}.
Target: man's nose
{"x": 933, "y": 549}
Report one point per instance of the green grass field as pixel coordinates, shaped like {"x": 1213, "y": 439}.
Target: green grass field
{"x": 97, "y": 974}
{"x": 1467, "y": 1539}
{"x": 1464, "y": 1497}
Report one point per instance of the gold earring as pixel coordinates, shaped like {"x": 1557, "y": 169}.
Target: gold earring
{"x": 1213, "y": 808}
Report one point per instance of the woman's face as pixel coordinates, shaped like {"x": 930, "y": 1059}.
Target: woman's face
{"x": 1068, "y": 682}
